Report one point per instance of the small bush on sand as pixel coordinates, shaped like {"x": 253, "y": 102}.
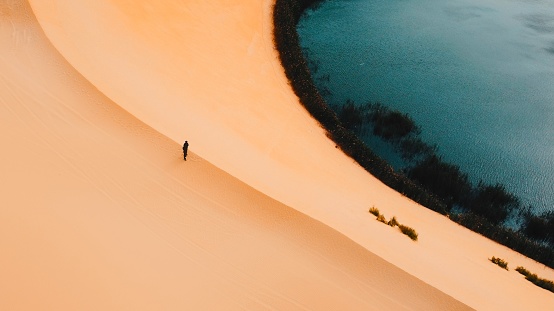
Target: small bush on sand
{"x": 375, "y": 211}
{"x": 393, "y": 222}
{"x": 523, "y": 271}
{"x": 408, "y": 231}
{"x": 499, "y": 262}
{"x": 533, "y": 278}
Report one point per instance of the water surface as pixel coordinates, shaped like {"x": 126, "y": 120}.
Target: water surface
{"x": 477, "y": 76}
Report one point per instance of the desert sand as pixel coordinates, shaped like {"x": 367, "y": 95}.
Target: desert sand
{"x": 99, "y": 211}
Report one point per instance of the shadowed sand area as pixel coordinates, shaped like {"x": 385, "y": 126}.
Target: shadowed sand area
{"x": 99, "y": 212}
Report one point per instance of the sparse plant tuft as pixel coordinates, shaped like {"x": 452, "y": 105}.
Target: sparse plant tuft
{"x": 408, "y": 231}
{"x": 499, "y": 262}
{"x": 523, "y": 271}
{"x": 393, "y": 223}
{"x": 375, "y": 211}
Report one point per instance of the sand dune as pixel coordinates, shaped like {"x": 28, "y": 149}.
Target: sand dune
{"x": 99, "y": 211}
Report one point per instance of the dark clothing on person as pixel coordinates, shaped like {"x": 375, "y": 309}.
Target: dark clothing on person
{"x": 185, "y": 149}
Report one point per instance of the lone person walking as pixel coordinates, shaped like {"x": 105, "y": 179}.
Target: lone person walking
{"x": 185, "y": 149}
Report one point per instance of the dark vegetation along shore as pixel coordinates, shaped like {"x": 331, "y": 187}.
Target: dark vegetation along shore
{"x": 428, "y": 180}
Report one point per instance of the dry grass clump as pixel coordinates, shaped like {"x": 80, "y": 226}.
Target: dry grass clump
{"x": 499, "y": 262}
{"x": 523, "y": 271}
{"x": 533, "y": 278}
{"x": 410, "y": 232}
{"x": 375, "y": 211}
{"x": 393, "y": 222}
{"x": 382, "y": 219}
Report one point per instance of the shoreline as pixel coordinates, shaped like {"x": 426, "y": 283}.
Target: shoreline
{"x": 286, "y": 16}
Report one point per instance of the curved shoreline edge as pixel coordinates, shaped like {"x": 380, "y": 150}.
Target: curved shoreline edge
{"x": 286, "y": 14}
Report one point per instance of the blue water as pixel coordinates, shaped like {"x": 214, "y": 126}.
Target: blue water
{"x": 477, "y": 76}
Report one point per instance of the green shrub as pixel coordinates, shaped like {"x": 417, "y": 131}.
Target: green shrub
{"x": 500, "y": 262}
{"x": 408, "y": 231}
{"x": 375, "y": 211}
{"x": 381, "y": 218}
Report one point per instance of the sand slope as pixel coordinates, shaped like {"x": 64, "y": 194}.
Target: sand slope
{"x": 100, "y": 212}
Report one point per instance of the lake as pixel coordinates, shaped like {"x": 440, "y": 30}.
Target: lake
{"x": 476, "y": 76}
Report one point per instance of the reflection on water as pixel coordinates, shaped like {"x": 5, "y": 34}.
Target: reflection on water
{"x": 477, "y": 76}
